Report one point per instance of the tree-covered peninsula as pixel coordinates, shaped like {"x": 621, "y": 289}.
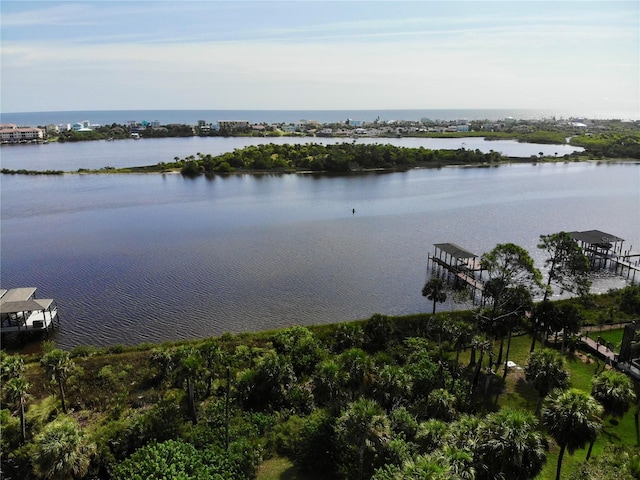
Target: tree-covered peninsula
{"x": 335, "y": 158}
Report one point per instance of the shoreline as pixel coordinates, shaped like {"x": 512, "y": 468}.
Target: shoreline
{"x": 152, "y": 169}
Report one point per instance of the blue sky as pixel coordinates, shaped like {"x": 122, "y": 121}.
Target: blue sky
{"x": 576, "y": 56}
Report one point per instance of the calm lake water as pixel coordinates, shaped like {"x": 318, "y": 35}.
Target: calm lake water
{"x": 127, "y": 153}
{"x": 135, "y": 258}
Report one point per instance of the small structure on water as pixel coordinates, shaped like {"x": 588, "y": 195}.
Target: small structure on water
{"x": 605, "y": 251}
{"x": 22, "y": 312}
{"x": 462, "y": 264}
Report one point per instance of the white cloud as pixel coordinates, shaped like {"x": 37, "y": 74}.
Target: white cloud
{"x": 474, "y": 60}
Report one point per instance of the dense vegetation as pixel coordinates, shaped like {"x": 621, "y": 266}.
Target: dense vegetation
{"x": 8, "y": 171}
{"x": 610, "y": 145}
{"x": 342, "y": 157}
{"x": 422, "y": 396}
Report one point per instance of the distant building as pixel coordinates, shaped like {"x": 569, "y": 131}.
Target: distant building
{"x": 83, "y": 126}
{"x": 10, "y": 133}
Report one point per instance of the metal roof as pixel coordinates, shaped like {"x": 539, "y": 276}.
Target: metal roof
{"x": 20, "y": 306}
{"x": 18, "y": 294}
{"x": 595, "y": 237}
{"x": 454, "y": 250}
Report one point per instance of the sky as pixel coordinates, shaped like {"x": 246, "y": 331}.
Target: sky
{"x": 571, "y": 56}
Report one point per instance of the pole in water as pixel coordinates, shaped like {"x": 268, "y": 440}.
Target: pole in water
{"x": 354, "y": 211}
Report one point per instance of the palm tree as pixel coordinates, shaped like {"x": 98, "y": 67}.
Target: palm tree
{"x": 61, "y": 451}
{"x": 329, "y": 382}
{"x": 545, "y": 314}
{"x": 57, "y": 364}
{"x": 510, "y": 446}
{"x": 572, "y": 417}
{"x": 359, "y": 367}
{"x": 361, "y": 430}
{"x": 11, "y": 366}
{"x": 188, "y": 366}
{"x": 546, "y": 369}
{"x": 484, "y": 345}
{"x": 393, "y": 386}
{"x": 14, "y": 386}
{"x": 435, "y": 290}
{"x": 460, "y": 462}
{"x": 441, "y": 405}
{"x": 614, "y": 391}
{"x": 422, "y": 467}
{"x": 16, "y": 392}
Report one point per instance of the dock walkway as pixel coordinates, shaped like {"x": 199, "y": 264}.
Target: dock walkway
{"x": 601, "y": 350}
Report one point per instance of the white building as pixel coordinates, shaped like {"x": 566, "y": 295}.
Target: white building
{"x": 10, "y": 133}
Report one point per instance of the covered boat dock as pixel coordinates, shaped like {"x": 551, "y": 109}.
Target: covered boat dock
{"x": 22, "y": 312}
{"x": 458, "y": 262}
{"x": 605, "y": 251}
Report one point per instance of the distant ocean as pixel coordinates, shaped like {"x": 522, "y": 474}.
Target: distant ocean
{"x": 191, "y": 117}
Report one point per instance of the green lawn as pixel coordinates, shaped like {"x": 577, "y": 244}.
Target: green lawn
{"x": 518, "y": 394}
{"x": 613, "y": 336}
{"x": 280, "y": 468}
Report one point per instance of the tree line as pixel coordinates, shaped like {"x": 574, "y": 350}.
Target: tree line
{"x": 381, "y": 399}
{"x": 341, "y": 157}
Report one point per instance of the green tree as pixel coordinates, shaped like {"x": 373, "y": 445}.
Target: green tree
{"x": 441, "y": 404}
{"x": 392, "y": 386}
{"x": 545, "y": 314}
{"x": 423, "y": 467}
{"x": 510, "y": 446}
{"x": 330, "y": 381}
{"x": 615, "y": 462}
{"x": 267, "y": 385}
{"x": 11, "y": 366}
{"x": 547, "y": 370}
{"x": 57, "y": 365}
{"x": 435, "y": 290}
{"x": 567, "y": 266}
{"x": 512, "y": 278}
{"x": 62, "y": 451}
{"x": 568, "y": 321}
{"x": 361, "y": 432}
{"x": 614, "y": 391}
{"x": 175, "y": 459}
{"x": 460, "y": 462}
{"x": 359, "y": 368}
{"x": 16, "y": 392}
{"x": 508, "y": 266}
{"x": 572, "y": 417}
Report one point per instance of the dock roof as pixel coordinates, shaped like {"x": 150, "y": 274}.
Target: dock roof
{"x": 454, "y": 250}
{"x": 595, "y": 237}
{"x": 18, "y": 294}
{"x": 20, "y": 306}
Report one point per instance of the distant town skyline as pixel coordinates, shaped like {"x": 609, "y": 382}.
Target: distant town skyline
{"x": 576, "y": 56}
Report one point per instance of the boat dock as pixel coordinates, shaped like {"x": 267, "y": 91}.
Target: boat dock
{"x": 22, "y": 312}
{"x": 605, "y": 251}
{"x": 454, "y": 261}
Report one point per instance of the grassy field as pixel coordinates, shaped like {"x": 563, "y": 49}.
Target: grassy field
{"x": 517, "y": 393}
{"x": 282, "y": 469}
